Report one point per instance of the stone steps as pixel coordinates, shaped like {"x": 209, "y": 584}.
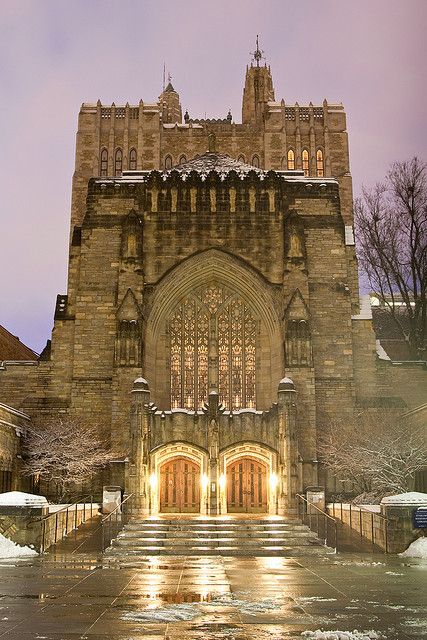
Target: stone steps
{"x": 214, "y": 536}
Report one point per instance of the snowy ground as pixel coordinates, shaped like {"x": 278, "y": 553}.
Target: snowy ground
{"x": 417, "y": 549}
{"x": 9, "y": 549}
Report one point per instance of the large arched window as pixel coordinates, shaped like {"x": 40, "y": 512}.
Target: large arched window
{"x": 118, "y": 162}
{"x": 291, "y": 159}
{"x": 319, "y": 164}
{"x": 103, "y": 170}
{"x": 212, "y": 345}
{"x": 305, "y": 162}
{"x": 132, "y": 159}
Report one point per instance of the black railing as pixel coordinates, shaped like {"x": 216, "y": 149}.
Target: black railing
{"x": 116, "y": 520}
{"x": 53, "y": 527}
{"x": 324, "y": 525}
{"x": 371, "y": 527}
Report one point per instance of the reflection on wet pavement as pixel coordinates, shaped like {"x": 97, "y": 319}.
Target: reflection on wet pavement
{"x": 68, "y": 596}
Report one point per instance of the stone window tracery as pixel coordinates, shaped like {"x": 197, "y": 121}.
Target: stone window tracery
{"x": 305, "y": 162}
{"x": 319, "y": 164}
{"x": 132, "y": 159}
{"x": 118, "y": 162}
{"x": 213, "y": 335}
{"x": 168, "y": 162}
{"x": 298, "y": 343}
{"x": 104, "y": 163}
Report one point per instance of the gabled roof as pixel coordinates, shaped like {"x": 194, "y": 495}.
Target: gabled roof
{"x": 11, "y": 348}
{"x": 169, "y": 87}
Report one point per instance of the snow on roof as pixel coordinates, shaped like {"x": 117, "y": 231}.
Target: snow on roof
{"x": 286, "y": 381}
{"x": 142, "y": 380}
{"x": 412, "y": 497}
{"x": 21, "y": 499}
{"x": 381, "y": 353}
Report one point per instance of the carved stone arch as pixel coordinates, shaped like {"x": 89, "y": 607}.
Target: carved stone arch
{"x": 186, "y": 279}
{"x": 294, "y": 241}
{"x": 298, "y": 348}
{"x": 132, "y": 237}
{"x": 128, "y": 346}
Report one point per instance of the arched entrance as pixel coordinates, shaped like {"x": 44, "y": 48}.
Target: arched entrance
{"x": 180, "y": 486}
{"x": 247, "y": 486}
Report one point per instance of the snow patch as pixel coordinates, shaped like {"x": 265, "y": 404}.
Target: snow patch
{"x": 21, "y": 499}
{"x": 417, "y": 549}
{"x": 411, "y": 497}
{"x": 381, "y": 352}
{"x": 9, "y": 549}
{"x": 342, "y": 635}
{"x": 170, "y": 613}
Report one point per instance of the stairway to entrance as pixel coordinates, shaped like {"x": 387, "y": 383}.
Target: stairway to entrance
{"x": 226, "y": 536}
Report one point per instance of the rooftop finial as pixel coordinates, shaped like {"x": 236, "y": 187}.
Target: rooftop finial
{"x": 257, "y": 54}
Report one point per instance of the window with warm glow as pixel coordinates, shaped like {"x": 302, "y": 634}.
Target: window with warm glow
{"x": 305, "y": 162}
{"x": 291, "y": 159}
{"x": 212, "y": 340}
{"x": 319, "y": 163}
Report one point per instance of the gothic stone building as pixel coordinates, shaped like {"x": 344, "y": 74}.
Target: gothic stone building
{"x": 212, "y": 318}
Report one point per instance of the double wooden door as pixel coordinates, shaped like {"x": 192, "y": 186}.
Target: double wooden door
{"x": 180, "y": 486}
{"x": 247, "y": 486}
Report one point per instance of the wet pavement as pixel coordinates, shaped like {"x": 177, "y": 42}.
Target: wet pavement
{"x": 76, "y": 592}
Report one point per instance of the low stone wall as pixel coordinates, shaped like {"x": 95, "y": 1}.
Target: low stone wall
{"x": 35, "y": 527}
{"x": 389, "y": 529}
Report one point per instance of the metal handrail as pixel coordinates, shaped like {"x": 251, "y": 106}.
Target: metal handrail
{"x": 373, "y": 515}
{"x": 325, "y": 515}
{"x": 298, "y": 495}
{"x": 117, "y": 508}
{"x": 109, "y": 520}
{"x": 55, "y": 515}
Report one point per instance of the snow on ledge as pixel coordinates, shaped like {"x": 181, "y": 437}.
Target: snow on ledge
{"x": 286, "y": 381}
{"x": 349, "y": 236}
{"x": 365, "y": 312}
{"x": 412, "y": 497}
{"x": 417, "y": 549}
{"x": 381, "y": 352}
{"x": 9, "y": 549}
{"x": 21, "y": 499}
{"x": 342, "y": 635}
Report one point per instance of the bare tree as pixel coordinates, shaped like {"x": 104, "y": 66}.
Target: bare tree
{"x": 391, "y": 232}
{"x": 64, "y": 451}
{"x": 377, "y": 452}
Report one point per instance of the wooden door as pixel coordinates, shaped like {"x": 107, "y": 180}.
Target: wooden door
{"x": 247, "y": 486}
{"x": 180, "y": 486}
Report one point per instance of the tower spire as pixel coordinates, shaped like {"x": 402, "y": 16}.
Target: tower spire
{"x": 258, "y": 53}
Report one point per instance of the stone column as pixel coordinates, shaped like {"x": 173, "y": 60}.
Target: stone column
{"x": 288, "y": 447}
{"x": 213, "y": 448}
{"x": 140, "y": 444}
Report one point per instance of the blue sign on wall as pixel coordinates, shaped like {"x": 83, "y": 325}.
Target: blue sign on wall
{"x": 419, "y": 518}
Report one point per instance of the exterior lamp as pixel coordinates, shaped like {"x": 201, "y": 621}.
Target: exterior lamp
{"x": 222, "y": 481}
{"x": 153, "y": 481}
{"x": 274, "y": 481}
{"x": 204, "y": 481}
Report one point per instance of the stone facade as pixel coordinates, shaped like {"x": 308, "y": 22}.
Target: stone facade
{"x": 12, "y": 426}
{"x": 216, "y": 261}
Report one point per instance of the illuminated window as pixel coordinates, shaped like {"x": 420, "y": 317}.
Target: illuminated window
{"x": 132, "y": 159}
{"x": 291, "y": 159}
{"x": 104, "y": 163}
{"x": 214, "y": 326}
{"x": 319, "y": 164}
{"x": 118, "y": 162}
{"x": 255, "y": 161}
{"x": 305, "y": 162}
{"x": 168, "y": 162}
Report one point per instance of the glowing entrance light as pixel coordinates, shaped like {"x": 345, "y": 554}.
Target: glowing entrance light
{"x": 153, "y": 481}
{"x": 222, "y": 481}
{"x": 274, "y": 481}
{"x": 204, "y": 481}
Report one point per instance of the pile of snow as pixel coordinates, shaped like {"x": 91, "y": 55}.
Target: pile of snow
{"x": 412, "y": 497}
{"x": 169, "y": 613}
{"x": 21, "y": 499}
{"x": 9, "y": 549}
{"x": 342, "y": 635}
{"x": 417, "y": 549}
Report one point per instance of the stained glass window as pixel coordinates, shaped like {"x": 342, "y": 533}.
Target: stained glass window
{"x": 132, "y": 159}
{"x": 104, "y": 162}
{"x": 213, "y": 344}
{"x": 305, "y": 162}
{"x": 319, "y": 163}
{"x": 291, "y": 159}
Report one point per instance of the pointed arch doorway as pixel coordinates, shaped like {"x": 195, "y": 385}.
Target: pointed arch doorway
{"x": 247, "y": 486}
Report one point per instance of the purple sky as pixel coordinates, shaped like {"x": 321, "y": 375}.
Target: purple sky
{"x": 369, "y": 54}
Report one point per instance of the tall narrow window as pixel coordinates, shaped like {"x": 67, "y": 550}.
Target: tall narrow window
{"x": 291, "y": 159}
{"x": 305, "y": 162}
{"x": 241, "y": 159}
{"x": 168, "y": 162}
{"x": 104, "y": 163}
{"x": 319, "y": 164}
{"x": 182, "y": 159}
{"x": 212, "y": 341}
{"x": 255, "y": 161}
{"x": 118, "y": 162}
{"x": 132, "y": 159}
